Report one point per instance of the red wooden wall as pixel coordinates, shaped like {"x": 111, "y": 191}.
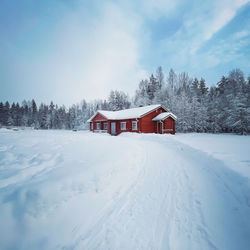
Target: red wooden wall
{"x": 146, "y": 123}
{"x": 169, "y": 124}
{"x": 98, "y": 118}
{"x": 128, "y": 126}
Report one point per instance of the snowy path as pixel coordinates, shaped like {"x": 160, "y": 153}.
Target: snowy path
{"x": 133, "y": 192}
{"x": 166, "y": 207}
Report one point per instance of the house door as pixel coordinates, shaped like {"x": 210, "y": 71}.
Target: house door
{"x": 113, "y": 128}
{"x": 159, "y": 128}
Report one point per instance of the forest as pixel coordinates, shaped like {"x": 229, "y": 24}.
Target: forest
{"x": 221, "y": 108}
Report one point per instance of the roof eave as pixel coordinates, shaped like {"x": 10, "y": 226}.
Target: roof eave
{"x": 160, "y": 106}
{"x": 174, "y": 117}
{"x": 97, "y": 112}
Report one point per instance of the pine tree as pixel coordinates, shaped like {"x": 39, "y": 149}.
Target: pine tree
{"x": 195, "y": 87}
{"x": 34, "y": 118}
{"x": 221, "y": 85}
{"x": 152, "y": 88}
{"x": 247, "y": 94}
{"x": 6, "y": 113}
{"x": 236, "y": 81}
{"x": 12, "y": 121}
{"x": 1, "y": 113}
{"x": 202, "y": 87}
{"x": 213, "y": 111}
{"x": 239, "y": 116}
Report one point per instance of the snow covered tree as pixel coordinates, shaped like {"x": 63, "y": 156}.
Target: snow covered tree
{"x": 160, "y": 77}
{"x": 1, "y": 113}
{"x": 42, "y": 117}
{"x": 195, "y": 87}
{"x": 172, "y": 79}
{"x": 33, "y": 120}
{"x": 118, "y": 100}
{"x": 213, "y": 111}
{"x": 151, "y": 88}
{"x": 240, "y": 116}
{"x": 141, "y": 98}
{"x": 202, "y": 87}
{"x": 223, "y": 108}
{"x": 160, "y": 85}
{"x": 5, "y": 113}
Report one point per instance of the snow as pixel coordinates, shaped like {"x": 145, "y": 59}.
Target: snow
{"x": 80, "y": 190}
{"x": 233, "y": 150}
{"x": 163, "y": 116}
{"x": 132, "y": 113}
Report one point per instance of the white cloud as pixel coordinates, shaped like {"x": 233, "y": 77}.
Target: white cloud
{"x": 200, "y": 25}
{"x": 154, "y": 9}
{"x": 90, "y": 56}
{"x": 241, "y": 34}
{"x": 205, "y": 20}
{"x": 224, "y": 11}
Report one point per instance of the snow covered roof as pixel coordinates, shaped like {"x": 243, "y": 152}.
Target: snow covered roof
{"x": 163, "y": 116}
{"x": 127, "y": 113}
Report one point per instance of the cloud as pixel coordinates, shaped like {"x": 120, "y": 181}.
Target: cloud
{"x": 241, "y": 34}
{"x": 85, "y": 49}
{"x": 99, "y": 56}
{"x": 223, "y": 12}
{"x": 200, "y": 24}
{"x": 153, "y": 9}
{"x": 87, "y": 56}
{"x": 207, "y": 19}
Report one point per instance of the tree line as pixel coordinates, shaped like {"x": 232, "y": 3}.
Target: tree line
{"x": 222, "y": 108}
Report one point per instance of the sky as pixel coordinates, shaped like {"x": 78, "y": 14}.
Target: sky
{"x": 67, "y": 51}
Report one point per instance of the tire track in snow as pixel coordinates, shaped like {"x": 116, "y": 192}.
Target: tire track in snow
{"x": 116, "y": 206}
{"x": 128, "y": 217}
{"x": 177, "y": 202}
{"x": 218, "y": 196}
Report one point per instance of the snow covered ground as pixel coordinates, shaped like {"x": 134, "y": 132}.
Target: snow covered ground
{"x": 78, "y": 190}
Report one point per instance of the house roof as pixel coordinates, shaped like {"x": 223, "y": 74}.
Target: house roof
{"x": 163, "y": 116}
{"x": 127, "y": 113}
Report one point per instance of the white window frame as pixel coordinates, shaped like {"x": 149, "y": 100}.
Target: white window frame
{"x": 123, "y": 125}
{"x": 134, "y": 123}
{"x": 98, "y": 125}
{"x": 105, "y": 126}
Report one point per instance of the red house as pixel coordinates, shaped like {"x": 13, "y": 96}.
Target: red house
{"x": 148, "y": 119}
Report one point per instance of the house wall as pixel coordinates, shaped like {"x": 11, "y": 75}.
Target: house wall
{"x": 128, "y": 126}
{"x": 98, "y": 118}
{"x": 146, "y": 123}
{"x": 101, "y": 119}
{"x": 169, "y": 125}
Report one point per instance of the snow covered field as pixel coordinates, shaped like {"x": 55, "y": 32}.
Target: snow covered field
{"x": 78, "y": 190}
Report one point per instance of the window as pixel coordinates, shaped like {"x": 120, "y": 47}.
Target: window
{"x": 134, "y": 125}
{"x": 105, "y": 126}
{"x": 123, "y": 125}
{"x": 98, "y": 125}
{"x": 91, "y": 125}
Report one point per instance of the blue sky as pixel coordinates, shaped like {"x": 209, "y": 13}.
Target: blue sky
{"x": 69, "y": 50}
